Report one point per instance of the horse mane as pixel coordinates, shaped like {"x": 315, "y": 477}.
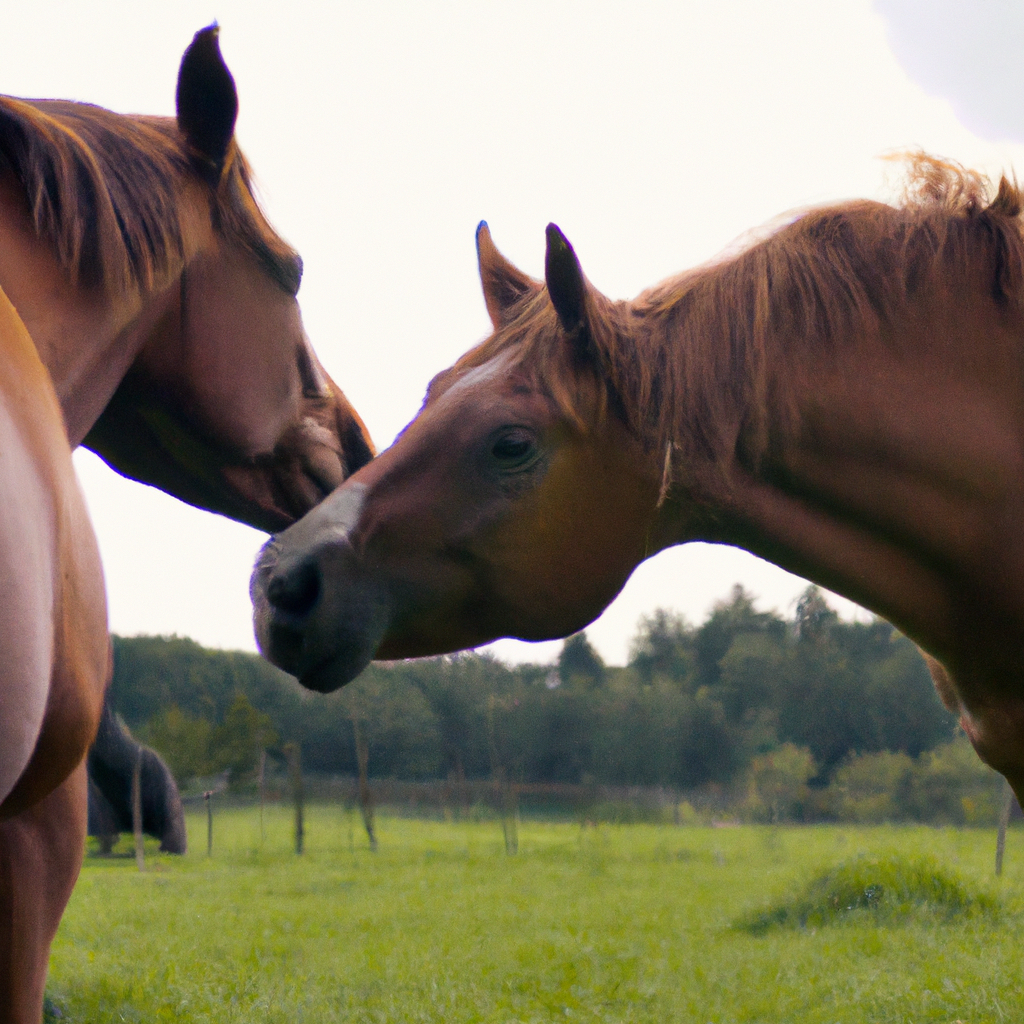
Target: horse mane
{"x": 697, "y": 365}
{"x": 108, "y": 190}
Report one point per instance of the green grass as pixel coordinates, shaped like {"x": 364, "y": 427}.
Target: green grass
{"x": 614, "y": 923}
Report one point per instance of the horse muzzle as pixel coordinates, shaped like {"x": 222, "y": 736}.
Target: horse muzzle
{"x": 316, "y": 615}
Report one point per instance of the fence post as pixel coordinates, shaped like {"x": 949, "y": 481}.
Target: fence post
{"x": 365, "y": 795}
{"x": 350, "y": 810}
{"x": 508, "y": 795}
{"x": 294, "y": 752}
{"x": 209, "y": 822}
{"x": 263, "y": 789}
{"x": 1004, "y": 820}
{"x": 510, "y": 817}
{"x": 140, "y": 853}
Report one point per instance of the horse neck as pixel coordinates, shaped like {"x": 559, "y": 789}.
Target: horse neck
{"x": 889, "y": 472}
{"x": 86, "y": 337}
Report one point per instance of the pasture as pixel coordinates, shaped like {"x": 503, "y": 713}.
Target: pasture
{"x": 601, "y": 923}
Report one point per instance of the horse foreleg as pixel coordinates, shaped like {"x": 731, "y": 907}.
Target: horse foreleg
{"x": 994, "y": 723}
{"x": 41, "y": 853}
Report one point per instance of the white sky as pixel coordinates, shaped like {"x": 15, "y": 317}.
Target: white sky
{"x": 651, "y": 132}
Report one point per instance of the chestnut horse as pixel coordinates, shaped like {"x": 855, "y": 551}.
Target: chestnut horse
{"x": 148, "y": 309}
{"x": 844, "y": 397}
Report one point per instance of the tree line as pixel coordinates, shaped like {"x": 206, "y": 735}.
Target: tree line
{"x": 694, "y": 706}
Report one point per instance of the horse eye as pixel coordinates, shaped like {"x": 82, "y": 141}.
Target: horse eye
{"x": 513, "y": 449}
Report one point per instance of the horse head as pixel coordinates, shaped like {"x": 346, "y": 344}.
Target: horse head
{"x": 225, "y": 404}
{"x": 498, "y": 510}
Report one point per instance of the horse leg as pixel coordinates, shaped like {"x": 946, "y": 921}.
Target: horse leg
{"x": 41, "y": 852}
{"x": 993, "y": 723}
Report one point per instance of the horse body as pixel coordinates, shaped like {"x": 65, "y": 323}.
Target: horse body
{"x": 844, "y": 398}
{"x": 147, "y": 309}
{"x": 55, "y": 651}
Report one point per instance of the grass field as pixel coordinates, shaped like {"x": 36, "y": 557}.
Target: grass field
{"x": 607, "y": 923}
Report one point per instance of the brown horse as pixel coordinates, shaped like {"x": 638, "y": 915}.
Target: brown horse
{"x": 147, "y": 308}
{"x": 844, "y": 397}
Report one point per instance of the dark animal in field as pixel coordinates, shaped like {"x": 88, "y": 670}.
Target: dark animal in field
{"x": 111, "y": 764}
{"x": 147, "y": 309}
{"x": 843, "y": 397}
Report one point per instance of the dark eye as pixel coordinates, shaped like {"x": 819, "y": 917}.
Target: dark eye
{"x": 513, "y": 448}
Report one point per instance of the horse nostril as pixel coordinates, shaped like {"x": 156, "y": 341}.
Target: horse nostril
{"x": 297, "y": 591}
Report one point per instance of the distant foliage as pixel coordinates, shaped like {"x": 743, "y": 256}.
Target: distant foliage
{"x": 873, "y": 788}
{"x": 953, "y": 787}
{"x": 193, "y": 746}
{"x": 579, "y": 664}
{"x": 183, "y": 740}
{"x": 777, "y": 784}
{"x": 663, "y": 647}
{"x": 806, "y": 718}
{"x": 236, "y": 743}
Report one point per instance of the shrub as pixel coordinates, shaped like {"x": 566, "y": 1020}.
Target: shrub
{"x": 951, "y": 786}
{"x": 886, "y": 890}
{"x": 872, "y": 788}
{"x": 777, "y": 783}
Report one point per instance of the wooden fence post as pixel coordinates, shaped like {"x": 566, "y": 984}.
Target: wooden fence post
{"x": 1004, "y": 820}
{"x": 365, "y": 795}
{"x": 294, "y": 752}
{"x": 263, "y": 789}
{"x": 140, "y": 853}
{"x": 209, "y": 822}
{"x": 508, "y": 795}
{"x": 350, "y": 811}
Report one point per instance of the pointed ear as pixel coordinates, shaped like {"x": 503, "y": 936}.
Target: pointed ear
{"x": 504, "y": 285}
{"x": 207, "y": 102}
{"x": 566, "y": 284}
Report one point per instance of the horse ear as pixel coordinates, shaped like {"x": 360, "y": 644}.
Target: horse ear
{"x": 504, "y": 285}
{"x": 567, "y": 286}
{"x": 207, "y": 103}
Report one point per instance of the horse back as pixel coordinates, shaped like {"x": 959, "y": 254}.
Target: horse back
{"x": 54, "y": 647}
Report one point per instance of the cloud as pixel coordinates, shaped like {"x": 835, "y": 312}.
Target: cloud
{"x": 969, "y": 52}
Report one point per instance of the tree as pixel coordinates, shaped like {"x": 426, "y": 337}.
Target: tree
{"x": 814, "y": 618}
{"x": 579, "y": 664}
{"x": 750, "y": 672}
{"x": 778, "y": 782}
{"x": 707, "y": 751}
{"x": 821, "y": 702}
{"x": 729, "y": 619}
{"x": 902, "y": 702}
{"x": 873, "y": 787}
{"x": 951, "y": 785}
{"x": 663, "y": 648}
{"x": 454, "y": 689}
{"x": 237, "y": 742}
{"x": 183, "y": 741}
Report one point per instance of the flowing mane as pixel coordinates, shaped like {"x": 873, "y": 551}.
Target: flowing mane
{"x": 105, "y": 188}
{"x": 694, "y": 362}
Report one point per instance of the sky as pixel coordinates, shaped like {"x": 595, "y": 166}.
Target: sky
{"x": 653, "y": 133}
